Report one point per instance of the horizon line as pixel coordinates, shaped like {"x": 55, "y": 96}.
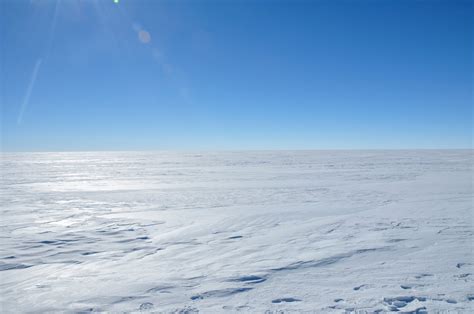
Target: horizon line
{"x": 231, "y": 150}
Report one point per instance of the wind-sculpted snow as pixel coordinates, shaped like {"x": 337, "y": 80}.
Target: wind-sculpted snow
{"x": 325, "y": 231}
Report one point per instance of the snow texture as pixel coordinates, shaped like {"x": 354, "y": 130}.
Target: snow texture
{"x": 292, "y": 231}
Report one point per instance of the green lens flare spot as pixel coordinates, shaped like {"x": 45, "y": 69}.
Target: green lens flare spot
{"x": 116, "y": 1}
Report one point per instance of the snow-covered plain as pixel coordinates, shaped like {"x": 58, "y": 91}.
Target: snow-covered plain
{"x": 237, "y": 231}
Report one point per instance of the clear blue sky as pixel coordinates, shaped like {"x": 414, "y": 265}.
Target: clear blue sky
{"x": 95, "y": 75}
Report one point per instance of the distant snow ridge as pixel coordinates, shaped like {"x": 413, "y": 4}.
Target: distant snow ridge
{"x": 288, "y": 231}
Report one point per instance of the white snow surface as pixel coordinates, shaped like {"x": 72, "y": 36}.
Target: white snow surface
{"x": 292, "y": 231}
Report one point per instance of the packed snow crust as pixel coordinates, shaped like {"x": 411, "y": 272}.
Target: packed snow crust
{"x": 292, "y": 231}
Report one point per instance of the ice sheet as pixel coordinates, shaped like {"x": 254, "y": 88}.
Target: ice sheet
{"x": 237, "y": 231}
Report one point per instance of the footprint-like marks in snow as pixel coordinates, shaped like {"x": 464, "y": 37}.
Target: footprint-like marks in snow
{"x": 160, "y": 289}
{"x": 146, "y": 306}
{"x": 359, "y": 287}
{"x": 412, "y": 304}
{"x": 243, "y": 308}
{"x": 281, "y": 300}
{"x": 133, "y": 239}
{"x": 395, "y": 240}
{"x": 461, "y": 276}
{"x": 423, "y": 275}
{"x": 89, "y": 253}
{"x": 185, "y": 310}
{"x": 249, "y": 279}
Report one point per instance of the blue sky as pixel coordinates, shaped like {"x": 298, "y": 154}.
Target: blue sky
{"x": 95, "y": 75}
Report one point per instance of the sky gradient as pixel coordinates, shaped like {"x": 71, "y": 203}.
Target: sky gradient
{"x": 210, "y": 75}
